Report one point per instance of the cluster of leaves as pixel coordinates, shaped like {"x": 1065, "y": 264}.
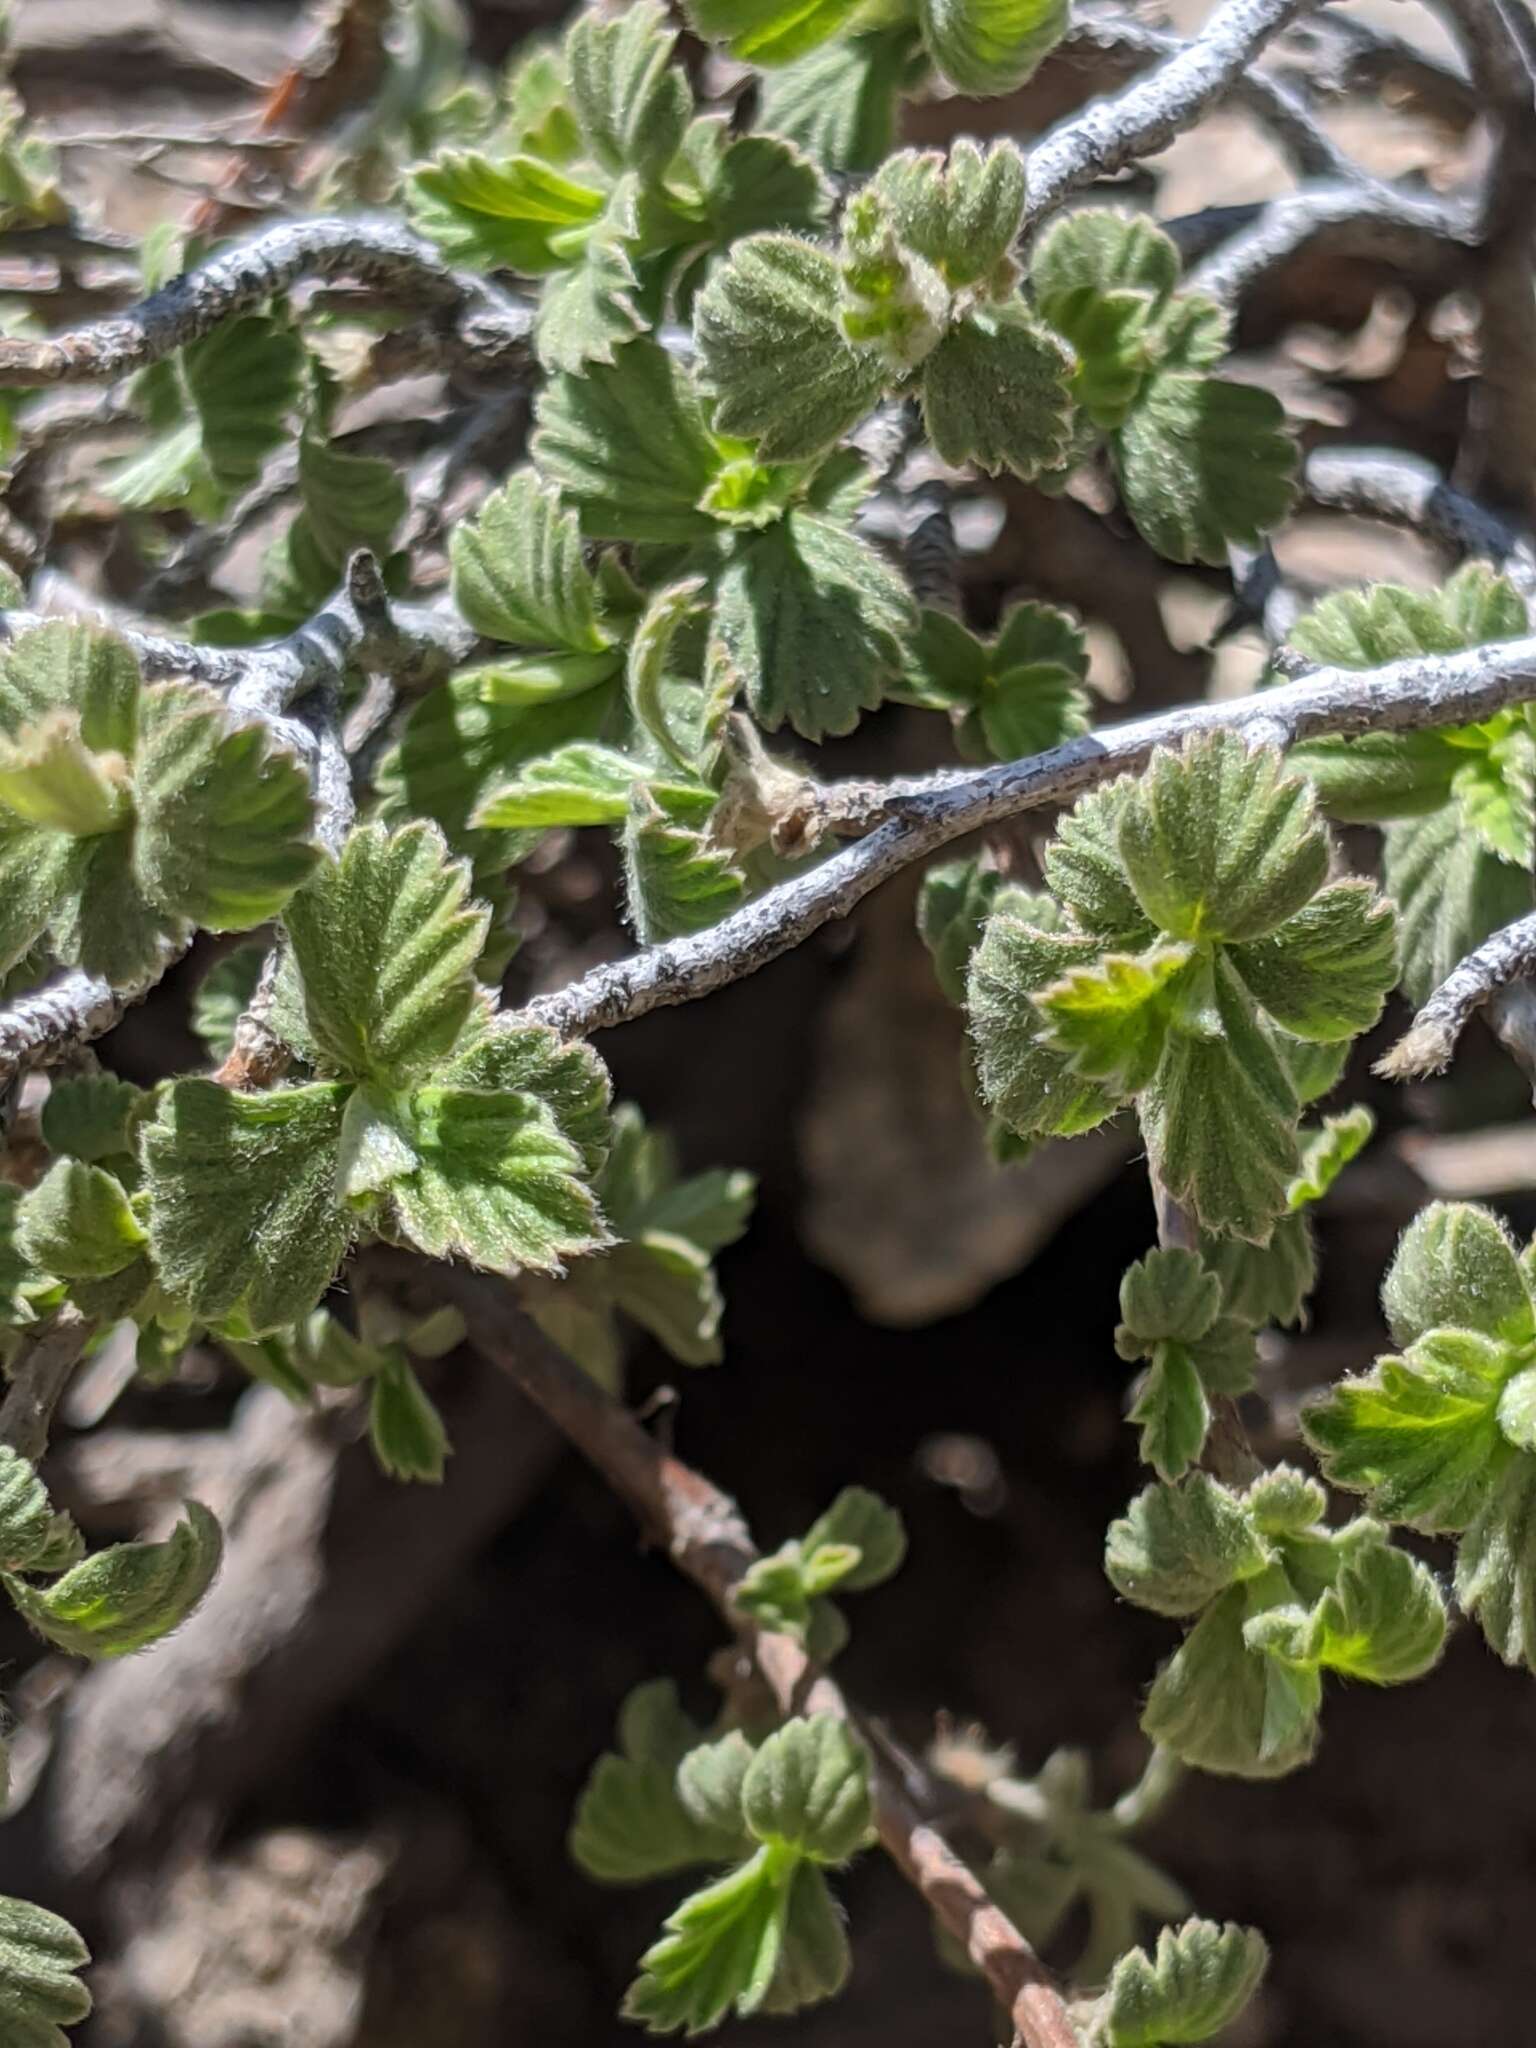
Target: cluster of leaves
{"x": 1442, "y": 1436}
{"x": 1277, "y": 1599}
{"x": 1194, "y": 958}
{"x": 923, "y": 299}
{"x": 1458, "y": 803}
{"x": 780, "y": 1811}
{"x": 130, "y": 815}
{"x": 857, "y": 1544}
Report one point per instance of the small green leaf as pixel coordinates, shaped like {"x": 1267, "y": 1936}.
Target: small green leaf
{"x": 77, "y": 1223}
{"x": 36, "y": 870}
{"x": 384, "y": 944}
{"x": 1219, "y": 1118}
{"x": 516, "y": 214}
{"x": 1110, "y": 335}
{"x": 839, "y": 102}
{"x": 243, "y": 380}
{"x": 646, "y": 666}
{"x": 1221, "y": 1705}
{"x": 1202, "y": 462}
{"x": 961, "y": 215}
{"x": 64, "y": 665}
{"x": 1111, "y": 1020}
{"x": 751, "y": 183}
{"x": 1451, "y": 894}
{"x": 1167, "y": 1294}
{"x": 406, "y": 1431}
{"x": 1496, "y": 1563}
{"x": 587, "y": 312}
{"x": 1266, "y": 1283}
{"x": 224, "y": 818}
{"x": 807, "y": 1789}
{"x": 631, "y": 103}
{"x": 675, "y": 880}
{"x": 495, "y": 1181}
{"x": 1218, "y": 842}
{"x": 865, "y": 1522}
{"x": 92, "y": 1117}
{"x": 1176, "y": 1548}
{"x": 1326, "y": 1152}
{"x": 658, "y": 1804}
{"x": 991, "y": 46}
{"x": 1387, "y": 622}
{"x": 1419, "y": 1434}
{"x": 812, "y": 619}
{"x": 813, "y": 1957}
{"x": 1457, "y": 1265}
{"x": 1018, "y": 694}
{"x": 775, "y": 300}
{"x": 40, "y": 1991}
{"x": 994, "y": 392}
{"x": 627, "y": 445}
{"x": 31, "y": 1534}
{"x": 953, "y": 905}
{"x": 518, "y": 574}
{"x": 125, "y": 1598}
{"x": 1382, "y": 1620}
{"x": 1101, "y": 250}
{"x": 582, "y": 784}
{"x": 768, "y": 32}
{"x": 1083, "y": 866}
{"x": 1172, "y": 1412}
{"x": 51, "y": 780}
{"x": 1026, "y": 1081}
{"x": 1200, "y": 1980}
{"x": 1327, "y": 972}
{"x": 720, "y": 1949}
{"x": 244, "y": 1208}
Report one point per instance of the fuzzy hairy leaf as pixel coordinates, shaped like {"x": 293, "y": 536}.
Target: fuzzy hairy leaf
{"x": 50, "y": 780}
{"x": 1219, "y": 1118}
{"x": 222, "y": 996}
{"x": 1017, "y": 694}
{"x": 1218, "y": 842}
{"x": 1451, "y": 894}
{"x": 1084, "y": 867}
{"x": 769, "y": 32}
{"x": 627, "y": 445}
{"x": 1176, "y": 1548}
{"x": 657, "y": 1805}
{"x": 404, "y": 1427}
{"x": 1202, "y": 462}
{"x": 583, "y": 784}
{"x": 36, "y": 869}
{"x": 1327, "y": 972}
{"x": 517, "y": 213}
{"x": 1457, "y": 1266}
{"x": 1102, "y": 250}
{"x": 384, "y": 943}
{"x": 1025, "y": 1080}
{"x": 994, "y": 392}
{"x": 587, "y": 311}
{"x": 631, "y": 103}
{"x": 812, "y": 619}
{"x": 1388, "y": 622}
{"x": 775, "y": 301}
{"x": 1167, "y": 1294}
{"x": 224, "y": 818}
{"x": 1111, "y": 1020}
{"x": 953, "y": 905}
{"x": 244, "y": 1207}
{"x": 92, "y": 1116}
{"x": 839, "y": 101}
{"x": 31, "y": 1534}
{"x": 493, "y": 1179}
{"x": 518, "y": 573}
{"x": 40, "y": 1990}
{"x": 77, "y": 1223}
{"x": 961, "y": 214}
{"x": 1496, "y": 1563}
{"x": 675, "y": 879}
{"x": 127, "y": 1597}
{"x": 1326, "y": 1151}
{"x": 1266, "y": 1283}
{"x": 807, "y": 1789}
{"x": 1221, "y": 1706}
{"x": 720, "y": 1949}
{"x": 1382, "y": 1620}
{"x": 1199, "y": 1980}
{"x": 991, "y": 46}
{"x": 67, "y": 665}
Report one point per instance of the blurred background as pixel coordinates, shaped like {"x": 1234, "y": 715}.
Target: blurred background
{"x": 332, "y": 1814}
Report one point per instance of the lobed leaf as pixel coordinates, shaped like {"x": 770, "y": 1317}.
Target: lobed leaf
{"x": 991, "y": 46}
{"x": 40, "y": 1989}
{"x": 518, "y": 573}
{"x": 1202, "y": 463}
{"x": 127, "y": 1597}
{"x": 807, "y": 1789}
{"x": 994, "y": 392}
{"x": 1201, "y": 1978}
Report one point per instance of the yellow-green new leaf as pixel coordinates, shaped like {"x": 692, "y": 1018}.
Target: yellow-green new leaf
{"x": 769, "y": 32}
{"x": 720, "y": 1950}
{"x": 406, "y": 1430}
{"x": 1111, "y": 1020}
{"x": 77, "y": 1223}
{"x": 807, "y": 1789}
{"x": 675, "y": 880}
{"x": 991, "y": 46}
{"x": 125, "y": 1598}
